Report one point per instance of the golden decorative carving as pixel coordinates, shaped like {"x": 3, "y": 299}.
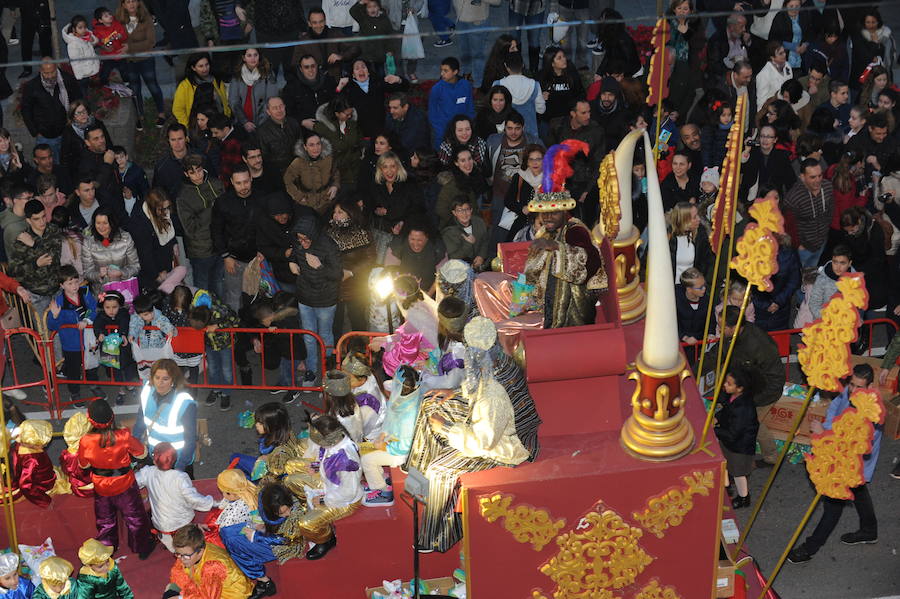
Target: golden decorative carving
{"x": 608, "y": 184}
{"x": 654, "y": 591}
{"x": 603, "y": 554}
{"x": 657, "y": 429}
{"x": 824, "y": 354}
{"x": 836, "y": 465}
{"x": 527, "y": 524}
{"x": 601, "y": 594}
{"x": 670, "y": 508}
{"x": 757, "y": 249}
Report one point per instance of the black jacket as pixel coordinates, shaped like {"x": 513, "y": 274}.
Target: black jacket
{"x": 672, "y": 193}
{"x": 234, "y": 221}
{"x": 413, "y": 132}
{"x": 404, "y": 203}
{"x": 317, "y": 287}
{"x": 869, "y": 258}
{"x": 370, "y": 107}
{"x": 109, "y": 186}
{"x": 703, "y": 254}
{"x": 303, "y": 97}
{"x": 154, "y": 258}
{"x": 73, "y": 145}
{"x": 775, "y": 172}
{"x": 277, "y": 144}
{"x": 44, "y": 114}
{"x": 584, "y": 168}
{"x": 736, "y": 423}
{"x": 176, "y": 22}
{"x": 690, "y": 320}
{"x": 272, "y": 238}
{"x": 785, "y": 283}
{"x": 756, "y": 351}
{"x": 781, "y": 30}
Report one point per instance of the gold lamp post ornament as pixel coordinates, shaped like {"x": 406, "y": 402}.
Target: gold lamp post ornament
{"x": 617, "y": 224}
{"x": 657, "y": 429}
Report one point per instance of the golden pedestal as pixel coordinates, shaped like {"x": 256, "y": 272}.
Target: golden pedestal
{"x": 657, "y": 429}
{"x": 631, "y": 296}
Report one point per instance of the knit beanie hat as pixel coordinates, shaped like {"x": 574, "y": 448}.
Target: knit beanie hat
{"x": 710, "y": 175}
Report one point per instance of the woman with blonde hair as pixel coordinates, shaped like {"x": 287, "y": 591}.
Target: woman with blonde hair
{"x": 153, "y": 233}
{"x": 688, "y": 241}
{"x": 395, "y": 197}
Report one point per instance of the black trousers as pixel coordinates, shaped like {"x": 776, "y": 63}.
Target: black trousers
{"x": 831, "y": 515}
{"x": 30, "y": 27}
{"x": 278, "y": 57}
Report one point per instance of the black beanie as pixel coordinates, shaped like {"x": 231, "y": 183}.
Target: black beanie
{"x": 99, "y": 412}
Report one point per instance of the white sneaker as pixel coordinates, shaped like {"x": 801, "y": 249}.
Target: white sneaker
{"x": 13, "y": 41}
{"x": 16, "y": 394}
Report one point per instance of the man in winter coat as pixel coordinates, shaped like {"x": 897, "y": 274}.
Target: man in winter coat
{"x": 316, "y": 261}
{"x": 756, "y": 351}
{"x": 234, "y": 218}
{"x": 277, "y": 136}
{"x": 98, "y": 162}
{"x": 306, "y": 90}
{"x": 335, "y": 57}
{"x": 34, "y": 259}
{"x": 275, "y": 237}
{"x": 609, "y": 111}
{"x": 45, "y": 104}
{"x": 408, "y": 123}
{"x": 195, "y": 207}
{"x": 582, "y": 184}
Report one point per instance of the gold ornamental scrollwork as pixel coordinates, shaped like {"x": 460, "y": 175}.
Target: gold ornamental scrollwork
{"x": 602, "y": 553}
{"x": 669, "y": 509}
{"x": 525, "y": 523}
{"x": 608, "y": 185}
{"x": 654, "y": 591}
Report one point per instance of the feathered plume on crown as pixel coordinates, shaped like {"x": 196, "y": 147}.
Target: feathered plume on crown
{"x": 557, "y": 168}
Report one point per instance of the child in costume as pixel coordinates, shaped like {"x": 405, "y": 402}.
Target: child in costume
{"x": 55, "y": 582}
{"x": 277, "y": 444}
{"x": 203, "y": 571}
{"x": 173, "y": 498}
{"x": 12, "y": 586}
{"x": 238, "y": 505}
{"x": 417, "y": 336}
{"x": 341, "y": 403}
{"x": 100, "y": 577}
{"x": 392, "y": 446}
{"x": 453, "y": 314}
{"x": 252, "y": 545}
{"x": 368, "y": 394}
{"x": 108, "y": 451}
{"x": 32, "y": 471}
{"x": 79, "y": 478}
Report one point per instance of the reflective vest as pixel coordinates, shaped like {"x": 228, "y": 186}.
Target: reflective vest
{"x": 164, "y": 422}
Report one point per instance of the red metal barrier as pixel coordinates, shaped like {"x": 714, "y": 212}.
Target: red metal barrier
{"x": 345, "y": 339}
{"x": 259, "y": 335}
{"x": 788, "y": 339}
{"x": 42, "y": 347}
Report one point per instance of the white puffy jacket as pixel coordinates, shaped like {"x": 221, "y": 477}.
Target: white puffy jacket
{"x": 79, "y": 48}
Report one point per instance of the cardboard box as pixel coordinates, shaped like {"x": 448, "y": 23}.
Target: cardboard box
{"x": 892, "y": 418}
{"x": 725, "y": 579}
{"x": 437, "y": 586}
{"x": 780, "y": 417}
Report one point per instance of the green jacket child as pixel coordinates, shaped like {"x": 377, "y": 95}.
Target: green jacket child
{"x": 100, "y": 577}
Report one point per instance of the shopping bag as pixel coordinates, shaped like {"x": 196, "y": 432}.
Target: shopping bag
{"x": 412, "y": 48}
{"x": 267, "y": 280}
{"x": 146, "y": 356}
{"x": 33, "y": 555}
{"x": 129, "y": 289}
{"x": 91, "y": 351}
{"x": 110, "y": 351}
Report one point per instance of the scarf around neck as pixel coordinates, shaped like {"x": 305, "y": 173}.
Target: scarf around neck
{"x": 58, "y": 84}
{"x": 249, "y": 77}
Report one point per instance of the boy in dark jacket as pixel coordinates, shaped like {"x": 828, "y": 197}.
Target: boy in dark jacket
{"x": 466, "y": 237}
{"x": 282, "y": 351}
{"x": 73, "y": 305}
{"x": 316, "y": 261}
{"x": 114, "y": 318}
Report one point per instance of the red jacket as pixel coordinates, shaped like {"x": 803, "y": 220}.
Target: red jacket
{"x": 9, "y": 285}
{"x": 113, "y": 457}
{"x": 111, "y": 37}
{"x": 843, "y": 200}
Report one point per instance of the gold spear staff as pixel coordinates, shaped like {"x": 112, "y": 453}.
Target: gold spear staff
{"x": 723, "y": 217}
{"x": 824, "y": 357}
{"x": 836, "y": 463}
{"x": 756, "y": 261}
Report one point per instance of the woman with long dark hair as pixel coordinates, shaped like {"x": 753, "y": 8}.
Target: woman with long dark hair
{"x": 460, "y": 132}
{"x": 154, "y": 236}
{"x": 491, "y": 118}
{"x": 522, "y": 187}
{"x": 686, "y": 43}
{"x": 251, "y": 87}
{"x": 199, "y": 89}
{"x": 871, "y": 42}
{"x": 560, "y": 84}
{"x": 463, "y": 179}
{"x": 108, "y": 254}
{"x": 141, "y": 38}
{"x": 494, "y": 66}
